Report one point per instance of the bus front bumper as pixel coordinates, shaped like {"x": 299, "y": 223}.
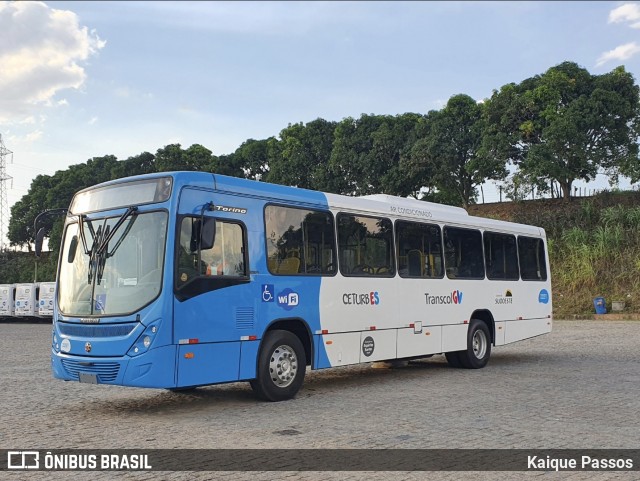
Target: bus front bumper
{"x": 155, "y": 368}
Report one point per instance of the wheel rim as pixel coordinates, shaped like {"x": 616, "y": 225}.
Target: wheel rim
{"x": 283, "y": 366}
{"x": 479, "y": 344}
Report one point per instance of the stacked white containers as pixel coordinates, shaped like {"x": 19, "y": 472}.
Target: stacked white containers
{"x": 45, "y": 299}
{"x": 26, "y": 305}
{"x": 7, "y": 301}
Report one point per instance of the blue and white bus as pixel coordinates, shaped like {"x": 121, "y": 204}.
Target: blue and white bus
{"x": 184, "y": 279}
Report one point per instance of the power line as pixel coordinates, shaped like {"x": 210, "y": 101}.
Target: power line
{"x": 4, "y": 204}
{"x": 16, "y": 165}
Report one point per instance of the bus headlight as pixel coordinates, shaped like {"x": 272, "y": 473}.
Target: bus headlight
{"x": 145, "y": 340}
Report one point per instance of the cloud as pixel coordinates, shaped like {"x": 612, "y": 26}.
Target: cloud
{"x": 92, "y": 120}
{"x": 622, "y": 52}
{"x": 24, "y": 139}
{"x": 33, "y": 136}
{"x": 629, "y": 12}
{"x": 41, "y": 53}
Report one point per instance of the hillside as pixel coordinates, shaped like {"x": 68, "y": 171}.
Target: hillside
{"x": 594, "y": 245}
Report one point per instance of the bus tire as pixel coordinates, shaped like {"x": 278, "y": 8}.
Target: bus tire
{"x": 281, "y": 366}
{"x": 478, "y": 346}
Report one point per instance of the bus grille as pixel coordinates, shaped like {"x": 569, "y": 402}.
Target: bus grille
{"x": 106, "y": 371}
{"x": 96, "y": 330}
{"x": 244, "y": 318}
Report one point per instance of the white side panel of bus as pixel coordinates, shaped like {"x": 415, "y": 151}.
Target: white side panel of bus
{"x": 499, "y": 334}
{"x": 419, "y": 341}
{"x": 454, "y": 338}
{"x": 358, "y": 303}
{"x": 342, "y": 349}
{"x": 518, "y": 330}
{"x": 377, "y": 345}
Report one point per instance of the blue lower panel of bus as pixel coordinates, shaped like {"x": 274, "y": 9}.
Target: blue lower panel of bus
{"x": 209, "y": 363}
{"x": 155, "y": 368}
{"x": 198, "y": 364}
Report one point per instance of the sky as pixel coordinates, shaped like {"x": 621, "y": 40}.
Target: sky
{"x": 85, "y": 79}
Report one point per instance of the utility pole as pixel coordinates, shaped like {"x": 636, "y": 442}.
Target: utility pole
{"x": 5, "y": 154}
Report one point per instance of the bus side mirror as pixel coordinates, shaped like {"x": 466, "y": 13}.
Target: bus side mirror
{"x": 208, "y": 236}
{"x": 39, "y": 239}
{"x": 203, "y": 235}
{"x": 73, "y": 247}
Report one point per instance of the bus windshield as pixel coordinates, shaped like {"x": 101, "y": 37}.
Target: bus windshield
{"x": 114, "y": 278}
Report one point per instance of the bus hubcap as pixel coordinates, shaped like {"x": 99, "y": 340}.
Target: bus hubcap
{"x": 283, "y": 366}
{"x": 479, "y": 344}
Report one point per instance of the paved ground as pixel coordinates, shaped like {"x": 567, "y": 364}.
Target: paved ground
{"x": 578, "y": 387}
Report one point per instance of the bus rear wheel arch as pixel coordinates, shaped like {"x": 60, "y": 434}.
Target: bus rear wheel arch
{"x": 478, "y": 351}
{"x": 281, "y": 366}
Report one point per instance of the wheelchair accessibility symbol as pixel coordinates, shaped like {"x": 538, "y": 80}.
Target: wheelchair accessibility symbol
{"x": 267, "y": 292}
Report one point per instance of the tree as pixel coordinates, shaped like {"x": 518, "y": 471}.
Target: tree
{"x": 172, "y": 158}
{"x": 250, "y": 160}
{"x": 451, "y": 155}
{"x": 303, "y": 156}
{"x": 369, "y": 154}
{"x": 567, "y": 124}
{"x": 143, "y": 163}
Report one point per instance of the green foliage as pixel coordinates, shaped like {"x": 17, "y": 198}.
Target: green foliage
{"x": 251, "y": 160}
{"x": 575, "y": 238}
{"x": 17, "y": 267}
{"x": 371, "y": 155}
{"x": 452, "y": 154}
{"x": 302, "y": 156}
{"x": 567, "y": 124}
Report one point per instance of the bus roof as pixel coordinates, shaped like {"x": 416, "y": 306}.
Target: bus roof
{"x": 377, "y": 204}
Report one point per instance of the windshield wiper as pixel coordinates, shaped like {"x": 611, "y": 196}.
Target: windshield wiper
{"x": 82, "y": 236}
{"x": 94, "y": 240}
{"x": 102, "y": 251}
{"x": 94, "y": 258}
{"x": 109, "y": 234}
{"x": 99, "y": 251}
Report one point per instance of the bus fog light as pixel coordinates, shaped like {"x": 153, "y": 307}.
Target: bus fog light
{"x": 146, "y": 341}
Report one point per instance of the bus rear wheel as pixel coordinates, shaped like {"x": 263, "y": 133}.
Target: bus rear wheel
{"x": 478, "y": 351}
{"x": 281, "y": 366}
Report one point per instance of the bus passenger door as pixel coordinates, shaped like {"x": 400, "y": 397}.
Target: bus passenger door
{"x": 212, "y": 298}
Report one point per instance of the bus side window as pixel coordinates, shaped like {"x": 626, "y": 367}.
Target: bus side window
{"x": 226, "y": 256}
{"x": 365, "y": 245}
{"x": 299, "y": 241}
{"x": 419, "y": 250}
{"x": 463, "y": 253}
{"x": 533, "y": 266}
{"x": 501, "y": 256}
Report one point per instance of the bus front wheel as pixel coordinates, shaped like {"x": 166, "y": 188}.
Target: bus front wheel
{"x": 281, "y": 366}
{"x": 478, "y": 350}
